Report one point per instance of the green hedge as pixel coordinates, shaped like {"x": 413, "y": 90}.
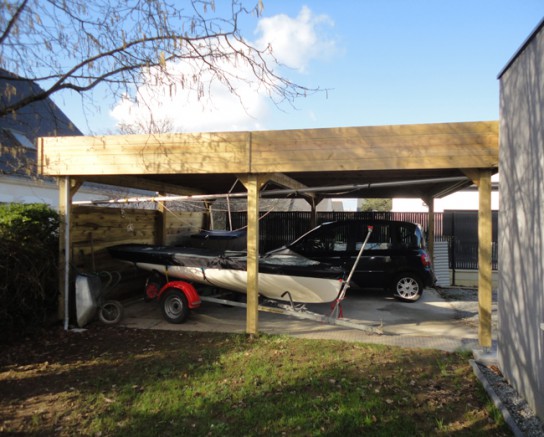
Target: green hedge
{"x": 28, "y": 268}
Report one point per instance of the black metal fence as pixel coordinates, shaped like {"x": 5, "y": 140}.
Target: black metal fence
{"x": 460, "y": 228}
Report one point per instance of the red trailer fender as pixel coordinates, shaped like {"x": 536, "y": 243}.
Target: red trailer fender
{"x": 193, "y": 299}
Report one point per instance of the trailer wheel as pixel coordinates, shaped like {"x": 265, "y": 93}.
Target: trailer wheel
{"x": 407, "y": 287}
{"x": 110, "y": 312}
{"x": 153, "y": 286}
{"x": 175, "y": 307}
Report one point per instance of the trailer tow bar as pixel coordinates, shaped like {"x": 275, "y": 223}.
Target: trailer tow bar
{"x": 299, "y": 312}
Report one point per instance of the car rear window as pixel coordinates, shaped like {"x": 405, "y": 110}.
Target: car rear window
{"x": 410, "y": 237}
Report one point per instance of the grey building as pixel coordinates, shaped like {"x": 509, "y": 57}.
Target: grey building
{"x": 521, "y": 221}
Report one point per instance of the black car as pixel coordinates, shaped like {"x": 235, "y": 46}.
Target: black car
{"x": 394, "y": 257}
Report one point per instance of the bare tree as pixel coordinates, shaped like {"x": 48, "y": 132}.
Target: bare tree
{"x": 151, "y": 126}
{"x": 80, "y": 44}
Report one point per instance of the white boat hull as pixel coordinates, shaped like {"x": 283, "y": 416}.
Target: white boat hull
{"x": 302, "y": 289}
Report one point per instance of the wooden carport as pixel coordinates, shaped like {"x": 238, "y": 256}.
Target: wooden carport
{"x": 427, "y": 161}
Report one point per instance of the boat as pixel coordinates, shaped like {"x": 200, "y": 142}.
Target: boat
{"x": 283, "y": 277}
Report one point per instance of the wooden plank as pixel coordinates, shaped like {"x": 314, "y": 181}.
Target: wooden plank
{"x": 97, "y": 228}
{"x": 181, "y": 225}
{"x": 376, "y": 148}
{"x": 383, "y": 150}
{"x": 145, "y": 154}
{"x": 446, "y": 145}
{"x": 309, "y": 163}
{"x": 346, "y": 144}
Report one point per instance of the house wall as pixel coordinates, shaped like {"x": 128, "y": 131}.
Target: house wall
{"x": 15, "y": 189}
{"x": 521, "y": 223}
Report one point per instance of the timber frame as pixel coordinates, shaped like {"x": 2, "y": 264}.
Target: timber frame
{"x": 428, "y": 161}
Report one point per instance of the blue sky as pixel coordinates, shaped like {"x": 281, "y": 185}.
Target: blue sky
{"x": 382, "y": 62}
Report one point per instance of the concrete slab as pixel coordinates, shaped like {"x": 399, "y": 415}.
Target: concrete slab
{"x": 429, "y": 323}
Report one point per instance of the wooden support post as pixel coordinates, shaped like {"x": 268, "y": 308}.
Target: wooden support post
{"x": 63, "y": 250}
{"x": 313, "y": 201}
{"x": 253, "y": 184}
{"x": 484, "y": 259}
{"x": 67, "y": 189}
{"x": 160, "y": 223}
{"x": 207, "y": 219}
{"x": 430, "y": 232}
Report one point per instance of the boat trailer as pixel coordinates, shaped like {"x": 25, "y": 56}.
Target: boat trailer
{"x": 178, "y": 297}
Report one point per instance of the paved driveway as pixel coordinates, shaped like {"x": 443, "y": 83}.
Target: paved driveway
{"x": 432, "y": 322}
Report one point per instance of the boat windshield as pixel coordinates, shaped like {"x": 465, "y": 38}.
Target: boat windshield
{"x": 288, "y": 260}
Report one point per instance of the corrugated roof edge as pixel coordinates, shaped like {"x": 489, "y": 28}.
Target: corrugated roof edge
{"x": 525, "y": 44}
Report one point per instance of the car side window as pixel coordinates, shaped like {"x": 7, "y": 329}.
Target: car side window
{"x": 380, "y": 239}
{"x": 330, "y": 240}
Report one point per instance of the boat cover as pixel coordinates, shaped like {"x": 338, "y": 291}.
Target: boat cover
{"x": 282, "y": 264}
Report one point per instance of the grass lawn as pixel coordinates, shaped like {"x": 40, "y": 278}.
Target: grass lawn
{"x": 110, "y": 381}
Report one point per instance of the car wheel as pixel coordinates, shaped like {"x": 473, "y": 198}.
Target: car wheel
{"x": 175, "y": 307}
{"x": 407, "y": 287}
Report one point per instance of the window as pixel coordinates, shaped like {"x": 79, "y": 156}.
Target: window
{"x": 380, "y": 239}
{"x": 408, "y": 237}
{"x": 328, "y": 240}
{"x": 20, "y": 138}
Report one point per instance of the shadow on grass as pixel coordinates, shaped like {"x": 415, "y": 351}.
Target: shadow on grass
{"x": 126, "y": 382}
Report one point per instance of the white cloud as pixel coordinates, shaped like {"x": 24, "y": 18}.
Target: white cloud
{"x": 295, "y": 43}
{"x": 184, "y": 110}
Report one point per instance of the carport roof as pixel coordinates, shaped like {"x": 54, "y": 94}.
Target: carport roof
{"x": 423, "y": 160}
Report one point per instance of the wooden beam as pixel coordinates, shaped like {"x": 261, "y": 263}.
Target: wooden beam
{"x": 402, "y": 147}
{"x": 288, "y": 182}
{"x": 141, "y": 183}
{"x": 75, "y": 186}
{"x": 484, "y": 258}
{"x": 452, "y": 189}
{"x": 253, "y": 184}
{"x": 472, "y": 174}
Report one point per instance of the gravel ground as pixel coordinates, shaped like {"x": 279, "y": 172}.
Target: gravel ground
{"x": 521, "y": 418}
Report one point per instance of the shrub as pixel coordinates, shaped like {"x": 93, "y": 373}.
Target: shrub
{"x": 28, "y": 268}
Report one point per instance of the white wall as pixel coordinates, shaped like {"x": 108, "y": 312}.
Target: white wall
{"x": 521, "y": 224}
{"x": 23, "y": 190}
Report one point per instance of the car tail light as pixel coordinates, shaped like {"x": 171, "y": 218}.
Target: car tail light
{"x": 426, "y": 260}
